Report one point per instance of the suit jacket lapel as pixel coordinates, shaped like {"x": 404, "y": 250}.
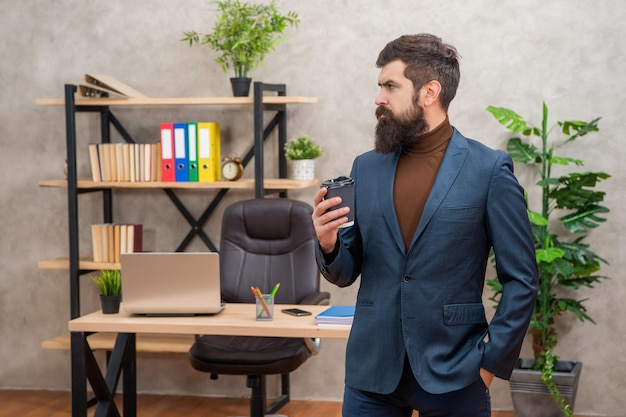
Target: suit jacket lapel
{"x": 448, "y": 171}
{"x": 384, "y": 191}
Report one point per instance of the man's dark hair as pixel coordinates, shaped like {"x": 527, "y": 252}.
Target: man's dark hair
{"x": 427, "y": 59}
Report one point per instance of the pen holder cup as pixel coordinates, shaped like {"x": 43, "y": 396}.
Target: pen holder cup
{"x": 265, "y": 307}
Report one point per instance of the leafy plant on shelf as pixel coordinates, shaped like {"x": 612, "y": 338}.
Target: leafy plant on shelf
{"x": 565, "y": 262}
{"x": 244, "y": 34}
{"x": 303, "y": 147}
{"x": 109, "y": 283}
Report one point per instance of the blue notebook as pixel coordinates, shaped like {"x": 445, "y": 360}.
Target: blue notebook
{"x": 342, "y": 315}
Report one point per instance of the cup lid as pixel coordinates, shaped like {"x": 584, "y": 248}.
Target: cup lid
{"x": 340, "y": 181}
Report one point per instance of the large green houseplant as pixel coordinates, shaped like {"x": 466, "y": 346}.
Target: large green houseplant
{"x": 570, "y": 207}
{"x": 244, "y": 34}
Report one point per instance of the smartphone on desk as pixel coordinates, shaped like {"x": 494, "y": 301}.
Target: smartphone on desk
{"x": 296, "y": 312}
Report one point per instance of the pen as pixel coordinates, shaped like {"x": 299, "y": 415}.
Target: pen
{"x": 258, "y": 294}
{"x": 273, "y": 293}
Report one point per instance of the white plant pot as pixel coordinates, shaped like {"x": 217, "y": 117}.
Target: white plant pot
{"x": 302, "y": 169}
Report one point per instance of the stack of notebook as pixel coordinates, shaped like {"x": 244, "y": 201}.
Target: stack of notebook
{"x": 336, "y": 316}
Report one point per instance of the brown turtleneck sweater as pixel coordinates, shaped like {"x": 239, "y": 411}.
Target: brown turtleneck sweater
{"x": 415, "y": 175}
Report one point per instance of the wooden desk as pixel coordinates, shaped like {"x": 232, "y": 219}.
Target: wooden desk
{"x": 234, "y": 320}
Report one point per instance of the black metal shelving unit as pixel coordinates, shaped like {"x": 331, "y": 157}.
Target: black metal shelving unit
{"x": 108, "y": 120}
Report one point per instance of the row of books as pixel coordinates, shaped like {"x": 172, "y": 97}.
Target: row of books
{"x": 109, "y": 240}
{"x": 190, "y": 152}
{"x": 340, "y": 315}
{"x": 186, "y": 152}
{"x": 121, "y": 162}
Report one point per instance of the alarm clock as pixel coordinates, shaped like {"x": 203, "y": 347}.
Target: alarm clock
{"x": 232, "y": 168}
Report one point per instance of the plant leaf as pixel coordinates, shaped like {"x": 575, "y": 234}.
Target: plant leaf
{"x": 536, "y": 218}
{"x": 510, "y": 120}
{"x": 522, "y": 152}
{"x": 549, "y": 254}
{"x": 584, "y": 219}
{"x": 565, "y": 161}
{"x": 581, "y": 128}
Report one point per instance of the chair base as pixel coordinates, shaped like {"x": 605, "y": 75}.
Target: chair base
{"x": 258, "y": 407}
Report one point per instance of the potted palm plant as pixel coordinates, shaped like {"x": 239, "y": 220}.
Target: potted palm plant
{"x": 109, "y": 284}
{"x": 301, "y": 153}
{"x": 565, "y": 260}
{"x": 243, "y": 35}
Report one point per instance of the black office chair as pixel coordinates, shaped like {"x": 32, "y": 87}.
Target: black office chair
{"x": 263, "y": 242}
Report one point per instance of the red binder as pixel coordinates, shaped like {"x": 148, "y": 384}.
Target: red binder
{"x": 168, "y": 167}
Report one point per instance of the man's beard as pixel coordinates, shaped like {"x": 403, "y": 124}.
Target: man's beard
{"x": 393, "y": 133}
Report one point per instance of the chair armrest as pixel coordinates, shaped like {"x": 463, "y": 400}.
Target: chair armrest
{"x": 318, "y": 298}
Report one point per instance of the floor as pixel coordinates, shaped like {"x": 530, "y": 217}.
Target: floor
{"x": 37, "y": 403}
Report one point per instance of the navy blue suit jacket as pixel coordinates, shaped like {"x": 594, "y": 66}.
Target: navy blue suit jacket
{"x": 427, "y": 303}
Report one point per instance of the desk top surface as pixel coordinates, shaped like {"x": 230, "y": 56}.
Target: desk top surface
{"x": 234, "y": 320}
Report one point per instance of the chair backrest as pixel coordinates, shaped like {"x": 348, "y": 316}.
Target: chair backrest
{"x": 265, "y": 242}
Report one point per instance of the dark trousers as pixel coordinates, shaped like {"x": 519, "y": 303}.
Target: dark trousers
{"x": 471, "y": 401}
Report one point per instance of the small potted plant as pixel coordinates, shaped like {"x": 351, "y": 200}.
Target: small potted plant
{"x": 243, "y": 35}
{"x": 109, "y": 284}
{"x": 301, "y": 152}
{"x": 566, "y": 262}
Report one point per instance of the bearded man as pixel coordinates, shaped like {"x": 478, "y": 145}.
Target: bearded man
{"x": 430, "y": 205}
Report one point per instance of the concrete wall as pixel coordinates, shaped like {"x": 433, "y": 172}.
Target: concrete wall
{"x": 568, "y": 53}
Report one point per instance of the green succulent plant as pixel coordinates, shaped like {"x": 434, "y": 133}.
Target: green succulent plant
{"x": 303, "y": 147}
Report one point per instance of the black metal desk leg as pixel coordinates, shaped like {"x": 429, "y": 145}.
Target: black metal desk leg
{"x": 130, "y": 377}
{"x": 79, "y": 374}
{"x": 85, "y": 369}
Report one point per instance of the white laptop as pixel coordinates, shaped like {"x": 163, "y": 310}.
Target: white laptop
{"x": 170, "y": 284}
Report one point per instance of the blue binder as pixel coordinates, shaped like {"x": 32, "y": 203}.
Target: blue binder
{"x": 180, "y": 152}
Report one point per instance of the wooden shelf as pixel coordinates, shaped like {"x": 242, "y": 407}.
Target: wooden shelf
{"x": 85, "y": 262}
{"x": 244, "y": 183}
{"x": 176, "y": 101}
{"x": 151, "y": 343}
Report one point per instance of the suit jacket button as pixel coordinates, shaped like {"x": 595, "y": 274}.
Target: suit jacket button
{"x": 407, "y": 278}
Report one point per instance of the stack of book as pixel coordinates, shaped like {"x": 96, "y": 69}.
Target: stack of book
{"x": 99, "y": 85}
{"x": 190, "y": 152}
{"x": 110, "y": 240}
{"x": 336, "y": 316}
{"x": 120, "y": 162}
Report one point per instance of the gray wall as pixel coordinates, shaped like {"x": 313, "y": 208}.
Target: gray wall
{"x": 515, "y": 53}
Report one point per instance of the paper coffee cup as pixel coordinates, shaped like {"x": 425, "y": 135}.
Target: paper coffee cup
{"x": 341, "y": 187}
